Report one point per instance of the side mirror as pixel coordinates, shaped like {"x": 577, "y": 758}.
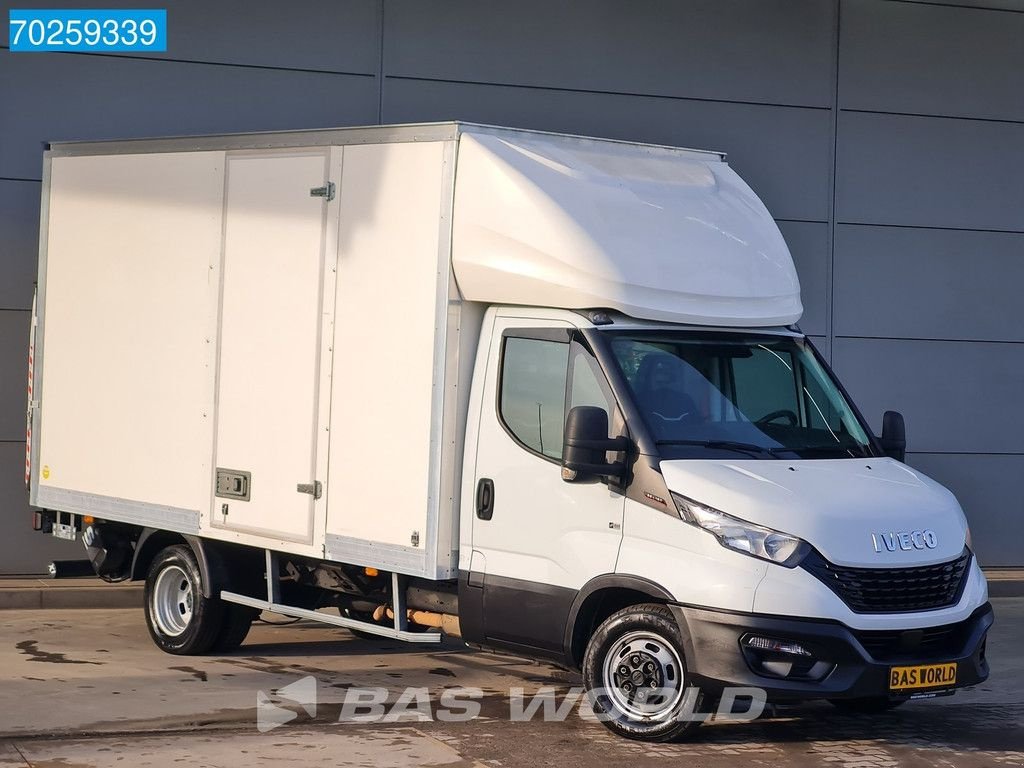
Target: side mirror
{"x": 894, "y": 435}
{"x": 586, "y": 443}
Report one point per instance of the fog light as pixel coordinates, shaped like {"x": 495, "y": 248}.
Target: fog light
{"x": 775, "y": 646}
{"x": 784, "y": 659}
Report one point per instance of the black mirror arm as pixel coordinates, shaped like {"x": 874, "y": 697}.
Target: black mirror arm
{"x": 616, "y": 444}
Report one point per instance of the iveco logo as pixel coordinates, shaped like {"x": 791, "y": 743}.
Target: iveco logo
{"x": 905, "y": 540}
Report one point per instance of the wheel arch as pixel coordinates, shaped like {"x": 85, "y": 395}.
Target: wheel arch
{"x": 212, "y": 569}
{"x": 600, "y": 598}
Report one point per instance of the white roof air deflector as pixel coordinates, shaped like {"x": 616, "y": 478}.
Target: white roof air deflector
{"x": 656, "y": 233}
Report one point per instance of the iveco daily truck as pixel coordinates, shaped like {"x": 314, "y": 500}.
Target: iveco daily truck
{"x": 544, "y": 392}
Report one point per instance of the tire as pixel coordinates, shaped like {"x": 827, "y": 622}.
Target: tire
{"x": 873, "y": 705}
{"x": 238, "y": 621}
{"x": 348, "y": 613}
{"x": 646, "y": 642}
{"x": 181, "y": 621}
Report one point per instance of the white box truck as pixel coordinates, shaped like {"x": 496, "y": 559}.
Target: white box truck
{"x": 543, "y": 391}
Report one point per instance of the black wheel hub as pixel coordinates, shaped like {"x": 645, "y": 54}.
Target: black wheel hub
{"x": 638, "y": 674}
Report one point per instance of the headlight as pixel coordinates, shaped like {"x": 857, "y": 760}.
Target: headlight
{"x": 750, "y": 539}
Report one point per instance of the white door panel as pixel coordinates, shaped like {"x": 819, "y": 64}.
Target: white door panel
{"x": 269, "y": 340}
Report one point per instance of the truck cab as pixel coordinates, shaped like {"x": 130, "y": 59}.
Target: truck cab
{"x": 714, "y": 491}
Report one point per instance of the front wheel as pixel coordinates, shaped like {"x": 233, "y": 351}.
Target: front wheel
{"x": 180, "y": 620}
{"x": 635, "y": 671}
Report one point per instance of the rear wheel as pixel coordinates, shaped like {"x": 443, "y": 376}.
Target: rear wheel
{"x": 180, "y": 620}
{"x": 238, "y": 621}
{"x": 635, "y": 672}
{"x": 348, "y": 613}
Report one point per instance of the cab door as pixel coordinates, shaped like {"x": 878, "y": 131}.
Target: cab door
{"x": 536, "y": 538}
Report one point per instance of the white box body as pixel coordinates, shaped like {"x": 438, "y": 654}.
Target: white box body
{"x": 201, "y": 309}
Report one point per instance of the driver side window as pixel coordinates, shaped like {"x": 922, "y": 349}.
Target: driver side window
{"x": 541, "y": 380}
{"x": 532, "y": 395}
{"x": 588, "y": 386}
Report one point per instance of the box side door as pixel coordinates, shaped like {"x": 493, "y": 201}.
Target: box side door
{"x": 269, "y": 343}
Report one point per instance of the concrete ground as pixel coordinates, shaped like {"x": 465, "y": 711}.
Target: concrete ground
{"x": 88, "y": 688}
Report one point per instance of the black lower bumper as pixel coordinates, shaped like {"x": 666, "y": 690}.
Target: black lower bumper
{"x": 856, "y": 663}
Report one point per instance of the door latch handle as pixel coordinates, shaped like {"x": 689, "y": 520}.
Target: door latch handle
{"x": 314, "y": 489}
{"x": 485, "y": 498}
{"x": 326, "y": 191}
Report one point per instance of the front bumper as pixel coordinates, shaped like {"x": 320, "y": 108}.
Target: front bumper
{"x": 858, "y": 661}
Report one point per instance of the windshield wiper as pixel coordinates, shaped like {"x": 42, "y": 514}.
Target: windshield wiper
{"x": 731, "y": 445}
{"x": 854, "y": 452}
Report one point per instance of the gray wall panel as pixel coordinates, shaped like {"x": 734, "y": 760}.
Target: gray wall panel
{"x": 901, "y": 57}
{"x": 13, "y": 373}
{"x": 926, "y": 283}
{"x": 157, "y": 98}
{"x": 930, "y": 172}
{"x": 22, "y": 550}
{"x": 19, "y": 235}
{"x": 996, "y": 5}
{"x": 782, "y": 152}
{"x": 957, "y": 397}
{"x": 300, "y": 34}
{"x": 808, "y": 242}
{"x": 775, "y": 51}
{"x": 823, "y": 345}
{"x": 988, "y": 488}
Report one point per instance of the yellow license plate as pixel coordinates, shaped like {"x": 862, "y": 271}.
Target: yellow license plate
{"x": 923, "y": 676}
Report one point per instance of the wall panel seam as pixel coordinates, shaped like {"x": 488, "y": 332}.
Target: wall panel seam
{"x": 380, "y": 62}
{"x": 965, "y": 453}
{"x": 604, "y": 92}
{"x": 985, "y": 8}
{"x": 921, "y": 338}
{"x": 933, "y": 116}
{"x": 782, "y": 220}
{"x": 199, "y": 62}
{"x": 930, "y": 226}
{"x": 833, "y": 169}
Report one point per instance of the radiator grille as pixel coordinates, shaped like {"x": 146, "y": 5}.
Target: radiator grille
{"x": 893, "y": 590}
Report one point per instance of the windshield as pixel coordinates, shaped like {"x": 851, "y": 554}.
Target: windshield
{"x": 762, "y": 396}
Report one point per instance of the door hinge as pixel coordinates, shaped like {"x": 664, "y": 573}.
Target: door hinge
{"x": 326, "y": 191}
{"x": 314, "y": 489}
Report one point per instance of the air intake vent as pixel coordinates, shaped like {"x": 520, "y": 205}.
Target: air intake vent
{"x": 893, "y": 590}
{"x": 931, "y": 643}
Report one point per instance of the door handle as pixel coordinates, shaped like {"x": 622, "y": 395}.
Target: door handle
{"x": 485, "y": 498}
